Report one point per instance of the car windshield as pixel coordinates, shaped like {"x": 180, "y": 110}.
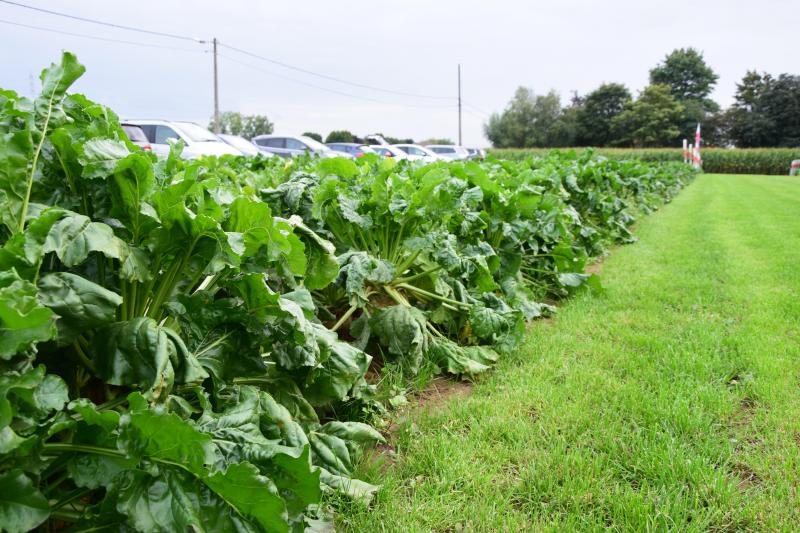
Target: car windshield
{"x": 135, "y": 133}
{"x": 197, "y": 133}
{"x": 241, "y": 144}
{"x": 314, "y": 145}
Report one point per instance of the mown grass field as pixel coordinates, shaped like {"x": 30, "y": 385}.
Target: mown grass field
{"x": 669, "y": 402}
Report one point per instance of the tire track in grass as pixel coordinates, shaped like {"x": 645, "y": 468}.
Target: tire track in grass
{"x": 765, "y": 242}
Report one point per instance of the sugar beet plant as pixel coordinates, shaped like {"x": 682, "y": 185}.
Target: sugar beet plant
{"x": 177, "y": 338}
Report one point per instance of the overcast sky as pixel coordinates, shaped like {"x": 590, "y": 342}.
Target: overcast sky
{"x": 410, "y": 47}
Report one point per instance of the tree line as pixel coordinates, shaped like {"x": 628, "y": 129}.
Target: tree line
{"x": 765, "y": 112}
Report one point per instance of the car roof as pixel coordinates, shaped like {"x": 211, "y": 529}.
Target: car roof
{"x": 137, "y": 121}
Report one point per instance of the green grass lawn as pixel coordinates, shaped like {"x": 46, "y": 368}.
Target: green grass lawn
{"x": 669, "y": 402}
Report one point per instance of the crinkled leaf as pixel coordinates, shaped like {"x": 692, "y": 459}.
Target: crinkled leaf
{"x": 175, "y": 501}
{"x": 79, "y": 303}
{"x": 402, "y": 329}
{"x": 154, "y": 432}
{"x": 133, "y": 352}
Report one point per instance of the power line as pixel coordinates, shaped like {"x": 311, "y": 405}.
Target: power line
{"x": 342, "y": 93}
{"x": 338, "y": 80}
{"x": 95, "y": 37}
{"x": 476, "y": 108}
{"x": 102, "y": 23}
{"x": 233, "y": 48}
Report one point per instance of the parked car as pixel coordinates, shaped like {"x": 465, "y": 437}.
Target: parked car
{"x": 415, "y": 152}
{"x": 294, "y": 145}
{"x": 354, "y": 149}
{"x": 198, "y": 140}
{"x": 449, "y": 151}
{"x": 243, "y": 145}
{"x": 136, "y": 136}
{"x": 389, "y": 151}
{"x": 477, "y": 153}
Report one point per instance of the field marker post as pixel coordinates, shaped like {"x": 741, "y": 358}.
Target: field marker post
{"x": 685, "y": 153}
{"x": 698, "y": 161}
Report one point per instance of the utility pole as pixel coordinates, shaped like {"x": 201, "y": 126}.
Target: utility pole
{"x": 459, "y": 104}
{"x": 216, "y": 89}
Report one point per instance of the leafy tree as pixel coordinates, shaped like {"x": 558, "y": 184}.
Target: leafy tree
{"x": 651, "y": 120}
{"x": 248, "y": 126}
{"x": 595, "y": 118}
{"x": 766, "y": 111}
{"x": 435, "y": 140}
{"x": 717, "y": 129}
{"x": 316, "y": 136}
{"x": 691, "y": 81}
{"x": 340, "y": 136}
{"x": 750, "y": 88}
{"x": 529, "y": 120}
{"x": 778, "y": 106}
{"x": 686, "y": 73}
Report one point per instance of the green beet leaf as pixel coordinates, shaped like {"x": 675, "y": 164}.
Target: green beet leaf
{"x": 156, "y": 433}
{"x": 175, "y": 501}
{"x": 402, "y": 329}
{"x": 24, "y": 321}
{"x": 133, "y": 352}
{"x": 22, "y": 506}
{"x": 80, "y": 304}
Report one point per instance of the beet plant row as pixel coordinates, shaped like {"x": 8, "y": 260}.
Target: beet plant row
{"x": 185, "y": 344}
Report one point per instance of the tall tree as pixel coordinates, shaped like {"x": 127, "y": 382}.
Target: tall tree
{"x": 528, "y": 120}
{"x": 248, "y": 126}
{"x": 766, "y": 111}
{"x": 779, "y": 106}
{"x": 651, "y": 120}
{"x": 340, "y": 136}
{"x": 691, "y": 81}
{"x": 596, "y": 116}
{"x": 316, "y": 136}
{"x": 686, "y": 73}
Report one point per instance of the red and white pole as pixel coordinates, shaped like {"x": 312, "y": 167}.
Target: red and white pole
{"x": 685, "y": 153}
{"x": 698, "y": 161}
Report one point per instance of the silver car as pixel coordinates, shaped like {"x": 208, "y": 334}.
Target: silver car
{"x": 198, "y": 140}
{"x": 449, "y": 151}
{"x": 387, "y": 150}
{"x": 415, "y": 152}
{"x": 243, "y": 145}
{"x": 295, "y": 145}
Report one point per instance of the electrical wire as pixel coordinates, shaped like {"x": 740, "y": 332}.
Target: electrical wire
{"x": 475, "y": 108}
{"x": 97, "y": 38}
{"x": 334, "y": 91}
{"x": 331, "y": 78}
{"x": 102, "y": 23}
{"x": 230, "y": 47}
